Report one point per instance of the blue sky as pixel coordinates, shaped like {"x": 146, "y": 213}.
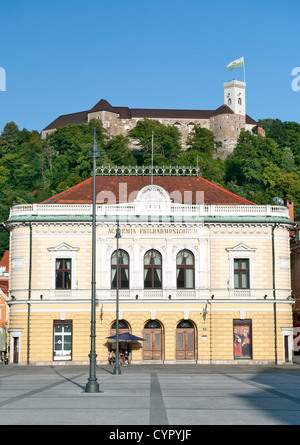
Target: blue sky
{"x": 61, "y": 57}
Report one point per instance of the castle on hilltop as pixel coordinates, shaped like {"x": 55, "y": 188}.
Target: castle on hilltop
{"x": 225, "y": 122}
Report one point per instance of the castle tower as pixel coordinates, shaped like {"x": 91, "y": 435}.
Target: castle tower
{"x": 235, "y": 96}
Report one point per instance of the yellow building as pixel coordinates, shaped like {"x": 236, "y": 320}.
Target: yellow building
{"x": 204, "y": 274}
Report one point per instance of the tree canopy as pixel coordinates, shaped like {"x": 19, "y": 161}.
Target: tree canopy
{"x": 260, "y": 168}
{"x": 166, "y": 141}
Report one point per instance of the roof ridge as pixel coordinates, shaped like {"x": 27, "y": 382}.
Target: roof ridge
{"x": 104, "y": 105}
{"x": 223, "y": 109}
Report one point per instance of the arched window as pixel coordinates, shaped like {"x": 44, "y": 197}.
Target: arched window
{"x": 152, "y": 270}
{"x": 122, "y": 325}
{"x": 239, "y": 101}
{"x": 152, "y": 324}
{"x": 123, "y": 270}
{"x": 185, "y": 324}
{"x": 185, "y": 272}
{"x": 229, "y": 101}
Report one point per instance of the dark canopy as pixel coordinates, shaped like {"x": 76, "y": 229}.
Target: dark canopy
{"x": 127, "y": 336}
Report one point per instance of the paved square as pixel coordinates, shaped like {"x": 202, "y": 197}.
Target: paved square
{"x": 167, "y": 395}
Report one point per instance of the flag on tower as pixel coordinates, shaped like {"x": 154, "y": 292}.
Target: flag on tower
{"x": 235, "y": 64}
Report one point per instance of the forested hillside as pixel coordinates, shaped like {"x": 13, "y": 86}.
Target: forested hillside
{"x": 32, "y": 169}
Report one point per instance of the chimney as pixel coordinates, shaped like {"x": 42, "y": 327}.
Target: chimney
{"x": 290, "y": 206}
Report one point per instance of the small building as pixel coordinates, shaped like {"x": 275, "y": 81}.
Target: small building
{"x": 204, "y": 274}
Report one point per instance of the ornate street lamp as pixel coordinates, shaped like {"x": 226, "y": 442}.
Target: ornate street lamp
{"x": 93, "y": 386}
{"x": 117, "y": 369}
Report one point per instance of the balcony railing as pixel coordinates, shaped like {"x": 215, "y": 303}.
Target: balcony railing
{"x": 201, "y": 210}
{"x": 166, "y": 294}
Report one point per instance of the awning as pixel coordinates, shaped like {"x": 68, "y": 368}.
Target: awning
{"x": 127, "y": 337}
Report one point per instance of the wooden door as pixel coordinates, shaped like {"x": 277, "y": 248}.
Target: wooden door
{"x": 16, "y": 349}
{"x": 152, "y": 345}
{"x": 185, "y": 344}
{"x": 286, "y": 348}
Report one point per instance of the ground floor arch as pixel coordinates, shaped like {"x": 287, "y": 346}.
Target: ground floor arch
{"x": 124, "y": 346}
{"x": 185, "y": 340}
{"x": 153, "y": 345}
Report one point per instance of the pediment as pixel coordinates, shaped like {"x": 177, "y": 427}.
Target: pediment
{"x": 241, "y": 247}
{"x": 63, "y": 247}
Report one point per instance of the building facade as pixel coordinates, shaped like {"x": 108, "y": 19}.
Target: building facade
{"x": 295, "y": 264}
{"x": 225, "y": 122}
{"x": 203, "y": 274}
{"x": 4, "y": 277}
{"x": 4, "y": 274}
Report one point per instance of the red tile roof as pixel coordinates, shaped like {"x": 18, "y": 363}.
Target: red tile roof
{"x": 4, "y": 287}
{"x": 118, "y": 188}
{"x": 5, "y": 260}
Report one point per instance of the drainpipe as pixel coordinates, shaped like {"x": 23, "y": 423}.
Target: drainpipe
{"x": 274, "y": 292}
{"x": 210, "y": 329}
{"x": 29, "y": 292}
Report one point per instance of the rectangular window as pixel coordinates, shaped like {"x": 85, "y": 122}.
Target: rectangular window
{"x": 152, "y": 278}
{"x": 242, "y": 339}
{"x": 63, "y": 273}
{"x": 241, "y": 273}
{"x": 62, "y": 340}
{"x": 157, "y": 278}
{"x": 147, "y": 341}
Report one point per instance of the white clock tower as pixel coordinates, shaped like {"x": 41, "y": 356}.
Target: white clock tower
{"x": 235, "y": 96}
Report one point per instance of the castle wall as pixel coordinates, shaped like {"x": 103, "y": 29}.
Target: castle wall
{"x": 112, "y": 122}
{"x": 226, "y": 128}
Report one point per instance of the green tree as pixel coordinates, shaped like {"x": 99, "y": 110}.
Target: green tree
{"x": 118, "y": 151}
{"x": 69, "y": 149}
{"x": 8, "y": 138}
{"x": 202, "y": 141}
{"x": 166, "y": 141}
{"x": 72, "y": 136}
{"x": 211, "y": 169}
{"x": 252, "y": 166}
{"x": 285, "y": 134}
{"x": 274, "y": 129}
{"x": 288, "y": 161}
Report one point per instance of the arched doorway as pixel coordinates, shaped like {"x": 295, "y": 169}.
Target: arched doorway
{"x": 185, "y": 340}
{"x": 124, "y": 346}
{"x": 123, "y": 327}
{"x": 152, "y": 349}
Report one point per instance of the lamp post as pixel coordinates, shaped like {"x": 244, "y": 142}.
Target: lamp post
{"x": 93, "y": 386}
{"x": 117, "y": 369}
